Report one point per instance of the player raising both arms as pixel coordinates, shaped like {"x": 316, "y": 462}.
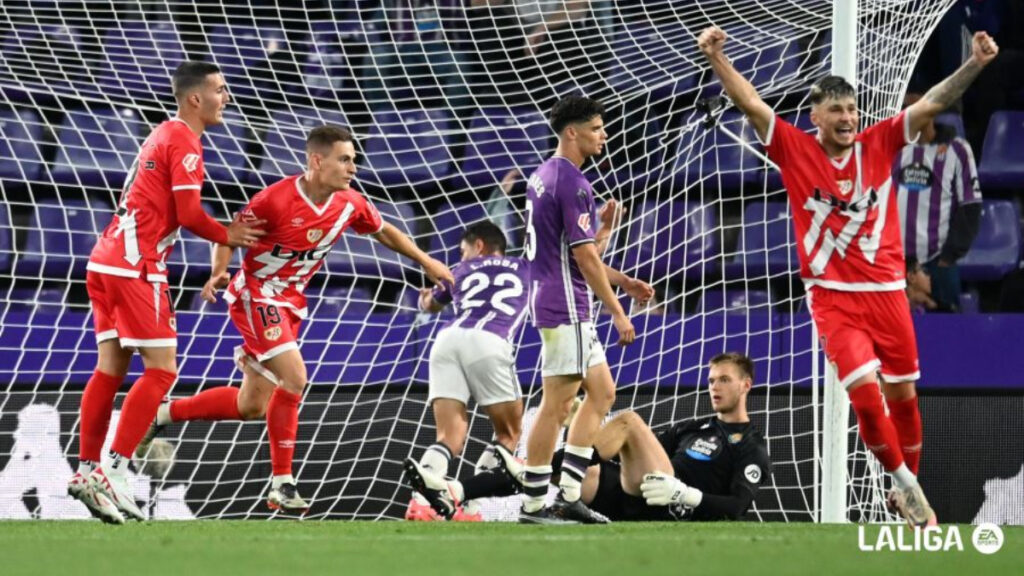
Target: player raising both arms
{"x": 851, "y": 258}
{"x": 565, "y": 266}
{"x": 268, "y": 302}
{"x": 473, "y": 356}
{"x": 127, "y": 283}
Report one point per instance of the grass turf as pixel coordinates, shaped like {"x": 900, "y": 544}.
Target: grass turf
{"x": 236, "y": 547}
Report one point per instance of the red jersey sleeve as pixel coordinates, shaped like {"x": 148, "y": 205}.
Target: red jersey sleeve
{"x": 889, "y": 135}
{"x": 366, "y": 219}
{"x": 260, "y": 208}
{"x": 784, "y": 141}
{"x": 186, "y": 161}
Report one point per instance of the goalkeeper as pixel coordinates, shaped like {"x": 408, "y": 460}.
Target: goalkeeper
{"x": 698, "y": 470}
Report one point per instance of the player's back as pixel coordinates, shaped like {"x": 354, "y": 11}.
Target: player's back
{"x": 299, "y": 235}
{"x": 560, "y": 206}
{"x": 490, "y": 293}
{"x": 145, "y": 224}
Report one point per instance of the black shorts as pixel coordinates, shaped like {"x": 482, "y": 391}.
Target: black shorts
{"x": 614, "y": 503}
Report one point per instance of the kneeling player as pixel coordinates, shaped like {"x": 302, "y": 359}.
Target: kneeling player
{"x": 473, "y": 356}
{"x": 268, "y": 302}
{"x": 700, "y": 470}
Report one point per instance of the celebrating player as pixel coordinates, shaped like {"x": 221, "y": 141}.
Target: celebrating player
{"x": 565, "y": 265}
{"x": 851, "y": 259}
{"x": 268, "y": 302}
{"x": 473, "y": 356}
{"x": 127, "y": 283}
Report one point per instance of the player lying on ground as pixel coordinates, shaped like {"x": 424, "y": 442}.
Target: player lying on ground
{"x": 268, "y": 304}
{"x": 127, "y": 283}
{"x": 565, "y": 266}
{"x": 473, "y": 357}
{"x": 846, "y": 217}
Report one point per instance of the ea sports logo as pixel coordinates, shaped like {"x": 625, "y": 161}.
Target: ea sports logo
{"x": 987, "y": 538}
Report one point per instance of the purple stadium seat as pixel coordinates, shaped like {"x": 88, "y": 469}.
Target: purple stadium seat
{"x": 141, "y": 57}
{"x": 356, "y": 255}
{"x": 224, "y": 155}
{"x": 766, "y": 246}
{"x": 1002, "y": 165}
{"x": 408, "y": 148}
{"x": 501, "y": 139}
{"x": 671, "y": 238}
{"x": 645, "y": 58}
{"x": 43, "y": 61}
{"x": 284, "y": 143}
{"x": 335, "y": 302}
{"x": 326, "y": 71}
{"x": 98, "y": 146}
{"x": 450, "y": 222}
{"x": 996, "y": 249}
{"x": 60, "y": 238}
{"x": 710, "y": 156}
{"x": 970, "y": 302}
{"x": 242, "y": 53}
{"x": 953, "y": 120}
{"x": 734, "y": 301}
{"x": 766, "y": 57}
{"x": 21, "y": 131}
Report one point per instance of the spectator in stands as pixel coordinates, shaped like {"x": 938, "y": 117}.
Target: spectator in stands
{"x": 940, "y": 206}
{"x": 919, "y": 288}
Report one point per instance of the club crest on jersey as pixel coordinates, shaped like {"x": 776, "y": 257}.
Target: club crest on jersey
{"x": 584, "y": 222}
{"x": 190, "y": 162}
{"x": 314, "y": 234}
{"x": 845, "y": 186}
{"x": 272, "y": 333}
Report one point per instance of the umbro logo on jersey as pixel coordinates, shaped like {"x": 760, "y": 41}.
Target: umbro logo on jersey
{"x": 272, "y": 333}
{"x": 296, "y": 222}
{"x": 314, "y": 234}
{"x": 190, "y": 162}
{"x": 150, "y": 165}
{"x": 584, "y": 222}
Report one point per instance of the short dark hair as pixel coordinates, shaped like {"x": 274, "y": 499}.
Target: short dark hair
{"x": 574, "y": 109}
{"x": 189, "y": 75}
{"x": 325, "y": 136}
{"x": 831, "y": 87}
{"x": 492, "y": 236}
{"x": 745, "y": 364}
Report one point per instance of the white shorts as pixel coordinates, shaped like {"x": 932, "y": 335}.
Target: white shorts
{"x": 466, "y": 362}
{"x": 570, "y": 349}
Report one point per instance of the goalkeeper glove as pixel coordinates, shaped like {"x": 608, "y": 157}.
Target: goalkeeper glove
{"x": 660, "y": 489}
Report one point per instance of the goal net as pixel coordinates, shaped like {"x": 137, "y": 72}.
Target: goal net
{"x": 448, "y": 102}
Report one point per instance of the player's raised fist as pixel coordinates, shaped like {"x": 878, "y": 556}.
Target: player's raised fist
{"x": 711, "y": 41}
{"x": 638, "y": 290}
{"x": 983, "y": 48}
{"x": 244, "y": 232}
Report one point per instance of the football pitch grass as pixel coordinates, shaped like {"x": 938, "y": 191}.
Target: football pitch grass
{"x": 398, "y": 548}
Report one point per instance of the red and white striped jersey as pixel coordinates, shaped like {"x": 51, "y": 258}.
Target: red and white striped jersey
{"x": 299, "y": 235}
{"x": 141, "y": 235}
{"x": 845, "y": 212}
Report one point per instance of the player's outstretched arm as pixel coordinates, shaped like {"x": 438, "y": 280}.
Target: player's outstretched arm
{"x": 191, "y": 215}
{"x": 593, "y": 271}
{"x": 945, "y": 93}
{"x": 396, "y": 240}
{"x": 740, "y": 90}
{"x": 219, "y": 276}
{"x": 636, "y": 289}
{"x": 428, "y": 303}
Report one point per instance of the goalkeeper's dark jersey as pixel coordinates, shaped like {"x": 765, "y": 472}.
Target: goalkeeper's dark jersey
{"x": 727, "y": 462}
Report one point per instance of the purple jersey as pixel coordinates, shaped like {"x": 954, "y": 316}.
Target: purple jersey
{"x": 490, "y": 293}
{"x": 560, "y": 215}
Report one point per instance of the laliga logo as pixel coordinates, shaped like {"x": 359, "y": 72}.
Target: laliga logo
{"x": 987, "y": 539}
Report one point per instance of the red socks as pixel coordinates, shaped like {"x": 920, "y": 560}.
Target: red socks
{"x": 907, "y": 420}
{"x": 220, "y": 403}
{"x": 139, "y": 409}
{"x": 876, "y": 429}
{"x": 97, "y": 404}
{"x": 282, "y": 427}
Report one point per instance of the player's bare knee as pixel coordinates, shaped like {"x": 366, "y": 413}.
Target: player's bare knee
{"x": 601, "y": 400}
{"x": 253, "y": 410}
